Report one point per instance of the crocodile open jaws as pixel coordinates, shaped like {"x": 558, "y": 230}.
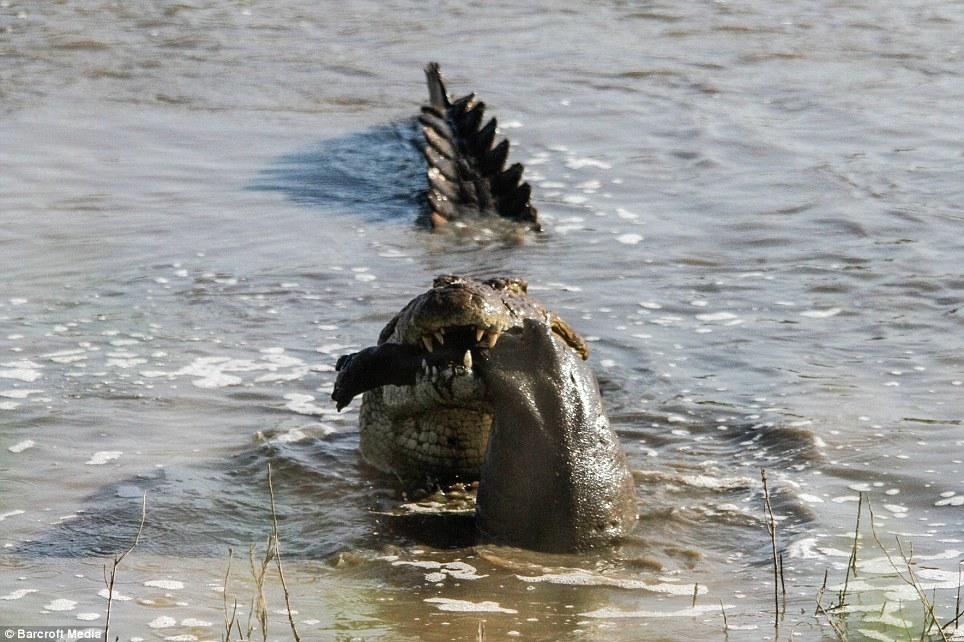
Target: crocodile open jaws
{"x": 475, "y": 380}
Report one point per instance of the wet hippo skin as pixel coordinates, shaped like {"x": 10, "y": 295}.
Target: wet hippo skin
{"x": 554, "y": 476}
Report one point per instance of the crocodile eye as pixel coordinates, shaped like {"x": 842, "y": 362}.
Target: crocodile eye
{"x": 508, "y": 283}
{"x": 519, "y": 285}
{"x": 447, "y": 279}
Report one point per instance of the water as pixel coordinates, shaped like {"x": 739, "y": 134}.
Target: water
{"x": 753, "y": 211}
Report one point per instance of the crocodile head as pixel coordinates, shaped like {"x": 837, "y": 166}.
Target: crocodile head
{"x": 426, "y": 412}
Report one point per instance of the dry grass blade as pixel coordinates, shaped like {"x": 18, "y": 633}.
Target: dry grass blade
{"x": 772, "y": 530}
{"x": 116, "y": 563}
{"x": 852, "y": 563}
{"x": 228, "y": 622}
{"x": 277, "y": 557}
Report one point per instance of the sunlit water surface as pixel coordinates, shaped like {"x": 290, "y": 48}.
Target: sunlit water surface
{"x": 753, "y": 212}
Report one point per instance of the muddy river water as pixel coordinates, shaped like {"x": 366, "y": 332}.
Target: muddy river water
{"x": 753, "y": 211}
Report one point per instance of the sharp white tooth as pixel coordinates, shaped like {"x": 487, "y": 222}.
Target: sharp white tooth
{"x": 424, "y": 367}
{"x": 467, "y": 359}
{"x": 427, "y": 342}
{"x": 434, "y": 373}
{"x": 479, "y": 333}
{"x": 440, "y": 337}
{"x": 491, "y": 338}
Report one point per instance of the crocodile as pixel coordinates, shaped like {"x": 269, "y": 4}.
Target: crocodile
{"x": 475, "y": 380}
{"x": 428, "y": 418}
{"x": 467, "y": 173}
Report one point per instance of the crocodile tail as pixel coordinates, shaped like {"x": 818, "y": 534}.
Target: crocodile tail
{"x": 466, "y": 165}
{"x": 437, "y": 96}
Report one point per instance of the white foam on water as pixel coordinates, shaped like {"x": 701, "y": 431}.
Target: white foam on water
{"x": 629, "y": 239}
{"x": 196, "y": 622}
{"x": 21, "y": 446}
{"x": 821, "y": 314}
{"x": 845, "y": 498}
{"x": 18, "y": 594}
{"x": 693, "y": 611}
{"x": 810, "y": 499}
{"x": 585, "y": 578}
{"x": 88, "y": 617}
{"x": 170, "y": 585}
{"x": 20, "y": 393}
{"x": 115, "y": 597}
{"x": 101, "y": 457}
{"x": 574, "y": 199}
{"x": 464, "y": 606}
{"x": 650, "y": 305}
{"x": 125, "y": 363}
{"x": 26, "y": 371}
{"x": 333, "y": 348}
{"x": 162, "y": 622}
{"x": 712, "y": 317}
{"x": 9, "y": 405}
{"x": 580, "y": 163}
{"x": 290, "y": 437}
{"x": 12, "y": 513}
{"x": 805, "y": 548}
{"x": 457, "y": 570}
{"x": 61, "y": 605}
{"x": 213, "y": 372}
{"x": 303, "y": 405}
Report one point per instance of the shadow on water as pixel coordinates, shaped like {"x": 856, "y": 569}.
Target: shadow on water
{"x": 326, "y": 502}
{"x": 321, "y": 504}
{"x": 378, "y": 173}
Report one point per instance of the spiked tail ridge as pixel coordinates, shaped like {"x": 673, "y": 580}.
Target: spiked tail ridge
{"x": 466, "y": 163}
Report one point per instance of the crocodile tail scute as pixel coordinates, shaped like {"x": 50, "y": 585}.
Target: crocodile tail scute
{"x": 466, "y": 164}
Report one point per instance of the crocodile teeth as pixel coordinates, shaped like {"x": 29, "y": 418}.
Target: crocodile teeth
{"x": 467, "y": 359}
{"x": 440, "y": 337}
{"x": 491, "y": 338}
{"x": 427, "y": 342}
{"x": 479, "y": 333}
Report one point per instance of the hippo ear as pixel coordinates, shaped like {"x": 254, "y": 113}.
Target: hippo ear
{"x": 569, "y": 335}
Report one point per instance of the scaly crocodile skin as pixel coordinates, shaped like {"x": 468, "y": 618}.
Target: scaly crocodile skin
{"x": 438, "y": 428}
